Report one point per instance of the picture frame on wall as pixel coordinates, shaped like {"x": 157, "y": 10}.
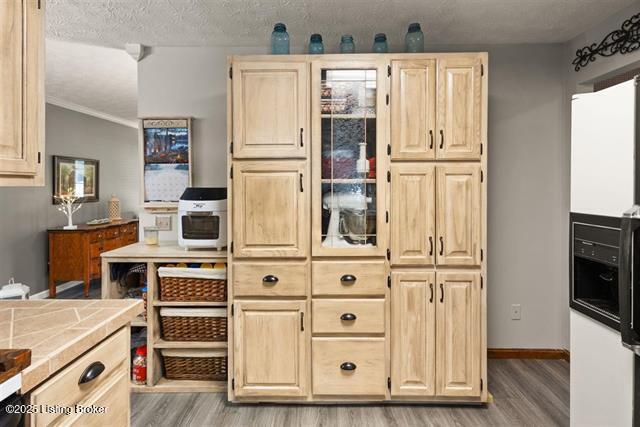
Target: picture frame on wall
{"x": 76, "y": 176}
{"x": 165, "y": 151}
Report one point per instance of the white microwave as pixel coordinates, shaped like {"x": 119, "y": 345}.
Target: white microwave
{"x": 202, "y": 218}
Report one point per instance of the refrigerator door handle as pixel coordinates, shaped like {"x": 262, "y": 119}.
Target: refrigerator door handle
{"x": 629, "y": 225}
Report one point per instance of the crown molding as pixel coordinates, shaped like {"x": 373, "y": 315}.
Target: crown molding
{"x": 91, "y": 112}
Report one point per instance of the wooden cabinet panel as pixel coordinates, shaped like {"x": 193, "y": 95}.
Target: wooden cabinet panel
{"x": 412, "y": 214}
{"x": 268, "y": 278}
{"x": 458, "y": 214}
{"x": 458, "y": 334}
{"x": 459, "y": 107}
{"x": 269, "y": 348}
{"x": 270, "y": 212}
{"x": 332, "y": 377}
{"x": 21, "y": 86}
{"x": 365, "y": 278}
{"x": 413, "y": 333}
{"x": 348, "y": 316}
{"x": 413, "y": 109}
{"x": 270, "y": 109}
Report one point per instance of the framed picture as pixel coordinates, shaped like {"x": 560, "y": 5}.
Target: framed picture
{"x": 165, "y": 146}
{"x": 76, "y": 176}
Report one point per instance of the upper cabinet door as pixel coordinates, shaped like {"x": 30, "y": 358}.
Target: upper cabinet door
{"x": 413, "y": 333}
{"x": 270, "y": 209}
{"x": 458, "y": 218}
{"x": 269, "y": 348}
{"x": 21, "y": 90}
{"x": 459, "y": 108}
{"x": 413, "y": 109}
{"x": 413, "y": 214}
{"x": 270, "y": 109}
{"x": 458, "y": 334}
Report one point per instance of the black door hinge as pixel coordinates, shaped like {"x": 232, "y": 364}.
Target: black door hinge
{"x": 231, "y": 148}
{"x": 481, "y": 384}
{"x": 481, "y": 282}
{"x": 388, "y": 176}
{"x": 389, "y": 383}
{"x": 388, "y": 149}
{"x": 233, "y": 383}
{"x": 481, "y": 254}
{"x": 389, "y": 70}
{"x": 481, "y": 69}
{"x": 39, "y": 157}
{"x": 231, "y": 172}
{"x": 232, "y": 310}
{"x": 387, "y": 216}
{"x": 481, "y": 176}
{"x": 387, "y": 99}
{"x": 481, "y": 148}
{"x": 389, "y": 281}
{"x": 389, "y": 254}
{"x": 231, "y": 72}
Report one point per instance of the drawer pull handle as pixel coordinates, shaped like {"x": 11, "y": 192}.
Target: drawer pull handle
{"x": 270, "y": 279}
{"x": 92, "y": 372}
{"x": 431, "y": 289}
{"x": 348, "y": 366}
{"x": 348, "y": 317}
{"x": 348, "y": 279}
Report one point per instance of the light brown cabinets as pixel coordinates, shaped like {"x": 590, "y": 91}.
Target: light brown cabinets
{"x": 270, "y": 109}
{"x": 270, "y": 209}
{"x": 435, "y": 334}
{"x": 22, "y": 89}
{"x": 363, "y": 279}
{"x": 269, "y": 348}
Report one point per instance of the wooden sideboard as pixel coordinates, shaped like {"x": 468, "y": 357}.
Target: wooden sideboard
{"x": 75, "y": 254}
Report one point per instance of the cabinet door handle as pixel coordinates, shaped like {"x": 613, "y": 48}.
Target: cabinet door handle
{"x": 441, "y": 246}
{"x": 441, "y": 293}
{"x": 348, "y": 366}
{"x": 431, "y": 289}
{"x": 301, "y": 138}
{"x": 302, "y": 320}
{"x": 430, "y": 139}
{"x": 270, "y": 279}
{"x": 348, "y": 279}
{"x": 441, "y": 139}
{"x": 430, "y": 245}
{"x": 92, "y": 372}
{"x": 348, "y": 317}
{"x": 301, "y": 188}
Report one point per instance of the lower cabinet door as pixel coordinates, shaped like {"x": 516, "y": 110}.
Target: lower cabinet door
{"x": 349, "y": 367}
{"x": 269, "y": 348}
{"x": 413, "y": 334}
{"x": 458, "y": 334}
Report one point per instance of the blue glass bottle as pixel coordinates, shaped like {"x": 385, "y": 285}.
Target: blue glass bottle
{"x": 315, "y": 44}
{"x": 280, "y": 40}
{"x": 347, "y": 45}
{"x": 414, "y": 40}
{"x": 380, "y": 43}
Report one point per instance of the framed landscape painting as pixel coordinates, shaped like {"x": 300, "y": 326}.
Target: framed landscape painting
{"x": 76, "y": 176}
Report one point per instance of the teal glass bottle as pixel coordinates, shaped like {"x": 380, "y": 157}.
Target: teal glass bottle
{"x": 380, "y": 43}
{"x": 315, "y": 44}
{"x": 280, "y": 40}
{"x": 347, "y": 45}
{"x": 414, "y": 40}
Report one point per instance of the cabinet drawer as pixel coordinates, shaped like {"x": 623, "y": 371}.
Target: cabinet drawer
{"x": 270, "y": 279}
{"x": 96, "y": 236}
{"x": 112, "y": 232}
{"x": 357, "y": 316}
{"x": 349, "y": 366}
{"x": 63, "y": 389}
{"x": 95, "y": 249}
{"x": 348, "y": 278}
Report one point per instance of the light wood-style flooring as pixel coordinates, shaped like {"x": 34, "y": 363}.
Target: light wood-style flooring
{"x": 525, "y": 392}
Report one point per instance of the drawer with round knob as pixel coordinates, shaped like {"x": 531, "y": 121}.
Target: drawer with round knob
{"x": 349, "y": 366}
{"x": 348, "y": 316}
{"x": 270, "y": 278}
{"x": 366, "y": 278}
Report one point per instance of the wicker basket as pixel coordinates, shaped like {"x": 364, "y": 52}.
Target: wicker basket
{"x": 194, "y": 324}
{"x": 199, "y": 365}
{"x": 193, "y": 284}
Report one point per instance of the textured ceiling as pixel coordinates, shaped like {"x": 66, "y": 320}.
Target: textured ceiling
{"x": 249, "y": 22}
{"x": 98, "y": 79}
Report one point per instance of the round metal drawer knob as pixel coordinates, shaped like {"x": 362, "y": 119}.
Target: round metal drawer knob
{"x": 348, "y": 316}
{"x": 270, "y": 279}
{"x": 348, "y": 279}
{"x": 348, "y": 366}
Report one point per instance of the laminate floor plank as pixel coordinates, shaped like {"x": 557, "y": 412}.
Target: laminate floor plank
{"x": 525, "y": 392}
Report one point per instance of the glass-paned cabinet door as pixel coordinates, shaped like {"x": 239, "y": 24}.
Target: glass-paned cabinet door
{"x": 349, "y": 158}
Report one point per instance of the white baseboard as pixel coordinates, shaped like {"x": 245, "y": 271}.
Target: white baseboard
{"x": 59, "y": 288}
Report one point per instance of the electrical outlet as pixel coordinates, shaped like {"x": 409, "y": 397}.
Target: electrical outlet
{"x": 516, "y": 312}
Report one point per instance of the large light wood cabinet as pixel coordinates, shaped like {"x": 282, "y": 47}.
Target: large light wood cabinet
{"x": 22, "y": 89}
{"x": 358, "y": 224}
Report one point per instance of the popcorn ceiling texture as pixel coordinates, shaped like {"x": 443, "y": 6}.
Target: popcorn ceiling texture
{"x": 113, "y": 23}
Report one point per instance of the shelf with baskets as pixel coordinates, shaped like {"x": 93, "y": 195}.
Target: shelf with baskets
{"x": 190, "y": 291}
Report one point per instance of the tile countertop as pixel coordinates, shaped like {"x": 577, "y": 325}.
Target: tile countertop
{"x": 58, "y": 331}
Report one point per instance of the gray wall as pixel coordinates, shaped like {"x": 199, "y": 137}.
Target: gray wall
{"x": 26, "y": 213}
{"x": 528, "y": 186}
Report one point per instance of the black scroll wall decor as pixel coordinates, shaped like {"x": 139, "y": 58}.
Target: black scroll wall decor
{"x": 624, "y": 40}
